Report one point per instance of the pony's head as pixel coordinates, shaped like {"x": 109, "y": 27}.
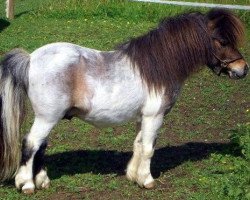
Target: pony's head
{"x": 227, "y": 33}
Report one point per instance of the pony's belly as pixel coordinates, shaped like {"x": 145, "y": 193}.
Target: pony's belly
{"x": 107, "y": 121}
{"x": 103, "y": 117}
{"x": 115, "y": 108}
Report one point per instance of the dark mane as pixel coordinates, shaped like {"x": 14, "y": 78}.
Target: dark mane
{"x": 169, "y": 53}
{"x": 172, "y": 51}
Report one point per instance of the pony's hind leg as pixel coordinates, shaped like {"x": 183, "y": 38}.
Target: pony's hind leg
{"x": 41, "y": 178}
{"x": 33, "y": 148}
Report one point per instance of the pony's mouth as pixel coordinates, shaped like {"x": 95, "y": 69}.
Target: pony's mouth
{"x": 218, "y": 70}
{"x": 233, "y": 74}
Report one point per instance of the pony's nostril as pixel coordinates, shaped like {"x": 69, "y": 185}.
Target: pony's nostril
{"x": 235, "y": 74}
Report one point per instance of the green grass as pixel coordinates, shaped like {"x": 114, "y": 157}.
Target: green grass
{"x": 194, "y": 157}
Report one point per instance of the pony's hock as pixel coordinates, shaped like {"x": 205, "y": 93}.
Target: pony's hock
{"x": 140, "y": 80}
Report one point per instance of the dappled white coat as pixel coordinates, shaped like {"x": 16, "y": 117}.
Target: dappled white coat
{"x": 102, "y": 88}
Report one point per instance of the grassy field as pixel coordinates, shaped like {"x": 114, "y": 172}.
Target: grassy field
{"x": 203, "y": 150}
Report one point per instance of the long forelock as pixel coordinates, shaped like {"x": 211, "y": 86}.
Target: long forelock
{"x": 229, "y": 26}
{"x": 235, "y": 31}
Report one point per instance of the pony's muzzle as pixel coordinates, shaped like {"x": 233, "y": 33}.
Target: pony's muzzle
{"x": 238, "y": 70}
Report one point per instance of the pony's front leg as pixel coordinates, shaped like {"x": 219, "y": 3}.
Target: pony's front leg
{"x": 136, "y": 158}
{"x": 149, "y": 130}
{"x": 33, "y": 148}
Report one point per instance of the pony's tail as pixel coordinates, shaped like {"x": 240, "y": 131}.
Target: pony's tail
{"x": 13, "y": 86}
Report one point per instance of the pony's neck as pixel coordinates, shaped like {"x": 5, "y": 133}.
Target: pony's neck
{"x": 171, "y": 52}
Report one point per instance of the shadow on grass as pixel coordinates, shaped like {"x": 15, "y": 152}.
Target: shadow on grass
{"x": 114, "y": 162}
{"x": 3, "y": 24}
{"x": 22, "y": 13}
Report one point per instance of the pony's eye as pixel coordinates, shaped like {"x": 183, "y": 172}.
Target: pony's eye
{"x": 223, "y": 43}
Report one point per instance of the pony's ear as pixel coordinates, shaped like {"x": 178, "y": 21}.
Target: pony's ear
{"x": 225, "y": 24}
{"x": 213, "y": 23}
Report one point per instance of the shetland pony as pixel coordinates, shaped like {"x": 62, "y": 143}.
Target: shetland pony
{"x": 138, "y": 81}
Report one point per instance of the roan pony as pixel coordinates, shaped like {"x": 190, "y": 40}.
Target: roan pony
{"x": 138, "y": 81}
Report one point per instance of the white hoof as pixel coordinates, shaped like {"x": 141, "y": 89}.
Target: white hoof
{"x": 42, "y": 180}
{"x": 23, "y": 181}
{"x": 150, "y": 185}
{"x": 28, "y": 188}
{"x": 146, "y": 181}
{"x": 28, "y": 191}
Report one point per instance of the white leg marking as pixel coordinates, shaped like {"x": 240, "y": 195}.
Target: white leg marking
{"x": 38, "y": 133}
{"x": 135, "y": 160}
{"x": 150, "y": 127}
{"x": 23, "y": 176}
{"x": 24, "y": 179}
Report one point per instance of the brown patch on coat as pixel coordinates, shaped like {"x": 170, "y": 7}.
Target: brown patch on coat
{"x": 78, "y": 89}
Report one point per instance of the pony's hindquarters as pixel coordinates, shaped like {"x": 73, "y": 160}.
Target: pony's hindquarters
{"x": 13, "y": 84}
{"x": 51, "y": 84}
